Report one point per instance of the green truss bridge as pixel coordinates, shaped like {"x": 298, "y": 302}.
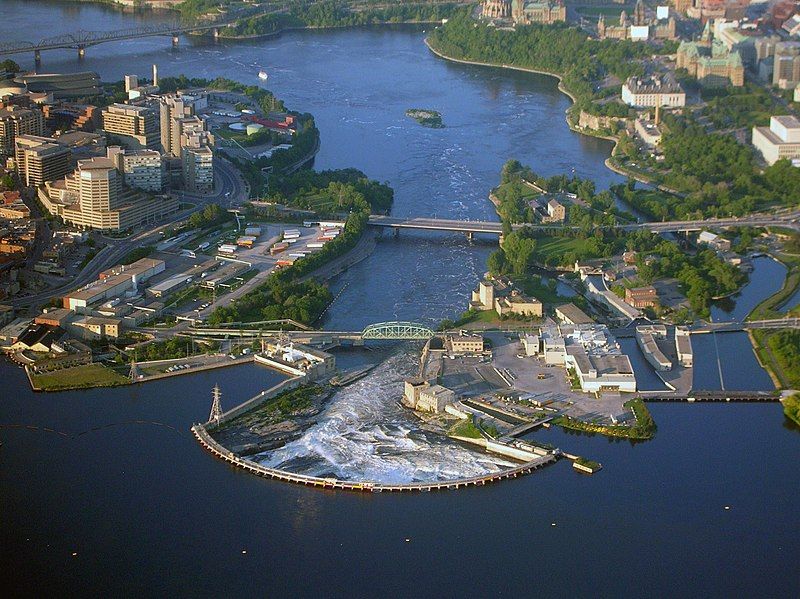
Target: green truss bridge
{"x": 395, "y": 331}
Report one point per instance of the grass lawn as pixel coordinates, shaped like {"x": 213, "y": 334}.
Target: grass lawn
{"x": 465, "y": 428}
{"x": 596, "y": 11}
{"x": 558, "y": 246}
{"x": 79, "y": 377}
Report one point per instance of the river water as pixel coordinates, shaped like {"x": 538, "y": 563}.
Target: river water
{"x": 144, "y": 507}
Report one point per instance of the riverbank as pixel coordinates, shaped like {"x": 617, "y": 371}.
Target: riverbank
{"x": 609, "y": 162}
{"x": 296, "y": 28}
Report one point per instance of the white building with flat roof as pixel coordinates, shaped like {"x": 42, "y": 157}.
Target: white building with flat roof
{"x": 780, "y": 140}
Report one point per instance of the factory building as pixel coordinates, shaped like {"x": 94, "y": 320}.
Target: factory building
{"x": 113, "y": 283}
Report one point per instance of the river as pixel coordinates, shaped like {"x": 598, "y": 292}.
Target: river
{"x": 144, "y": 508}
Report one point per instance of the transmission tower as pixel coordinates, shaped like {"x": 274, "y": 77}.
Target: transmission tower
{"x": 134, "y": 371}
{"x": 216, "y": 407}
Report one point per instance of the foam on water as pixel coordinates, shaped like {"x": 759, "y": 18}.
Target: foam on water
{"x": 364, "y": 434}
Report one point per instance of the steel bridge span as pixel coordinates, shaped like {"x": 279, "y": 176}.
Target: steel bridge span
{"x": 80, "y": 40}
{"x": 395, "y": 331}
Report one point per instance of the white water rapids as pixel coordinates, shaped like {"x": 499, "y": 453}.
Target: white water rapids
{"x": 364, "y": 434}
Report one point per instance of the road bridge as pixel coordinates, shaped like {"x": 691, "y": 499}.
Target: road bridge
{"x": 394, "y": 331}
{"x": 80, "y": 40}
{"x": 471, "y": 227}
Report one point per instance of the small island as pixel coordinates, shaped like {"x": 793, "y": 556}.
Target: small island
{"x": 426, "y": 118}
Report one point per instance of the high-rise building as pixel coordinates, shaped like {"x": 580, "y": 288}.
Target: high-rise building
{"x": 173, "y": 109}
{"x": 94, "y": 197}
{"x": 16, "y": 121}
{"x": 135, "y": 127}
{"x": 786, "y": 65}
{"x": 198, "y": 169}
{"x": 142, "y": 169}
{"x": 40, "y": 159}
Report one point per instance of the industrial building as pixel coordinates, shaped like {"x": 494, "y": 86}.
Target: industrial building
{"x": 112, "y": 283}
{"x": 464, "y": 344}
{"x": 424, "y": 397}
{"x": 646, "y": 337}
{"x": 572, "y": 314}
{"x": 683, "y": 345}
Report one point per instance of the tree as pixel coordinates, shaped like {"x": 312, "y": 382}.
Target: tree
{"x": 9, "y": 66}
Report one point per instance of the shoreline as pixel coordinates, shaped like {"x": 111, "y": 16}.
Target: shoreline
{"x": 282, "y": 30}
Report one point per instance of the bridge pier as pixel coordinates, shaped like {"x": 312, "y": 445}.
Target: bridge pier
{"x": 175, "y": 41}
{"x": 397, "y": 232}
{"x": 470, "y": 235}
{"x": 81, "y": 52}
{"x": 37, "y": 57}
{"x": 215, "y": 32}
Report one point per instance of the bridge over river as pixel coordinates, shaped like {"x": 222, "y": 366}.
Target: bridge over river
{"x": 471, "y": 227}
{"x": 80, "y": 40}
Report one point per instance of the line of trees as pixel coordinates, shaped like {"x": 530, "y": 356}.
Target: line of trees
{"x": 559, "y": 49}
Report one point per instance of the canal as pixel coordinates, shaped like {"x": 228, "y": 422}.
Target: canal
{"x": 125, "y": 499}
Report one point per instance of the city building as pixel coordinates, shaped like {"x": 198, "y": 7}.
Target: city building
{"x": 12, "y": 207}
{"x": 94, "y": 197}
{"x": 780, "y": 140}
{"x": 496, "y": 9}
{"x": 539, "y": 11}
{"x": 172, "y": 110}
{"x": 706, "y": 10}
{"x": 648, "y": 131}
{"x": 786, "y": 65}
{"x": 142, "y": 169}
{"x": 714, "y": 241}
{"x": 712, "y": 65}
{"x": 134, "y": 127}
{"x": 653, "y": 90}
{"x": 639, "y": 27}
{"x": 642, "y": 297}
{"x": 556, "y": 212}
{"x": 464, "y": 343}
{"x": 500, "y": 295}
{"x": 198, "y": 169}
{"x": 16, "y": 121}
{"x": 41, "y": 159}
